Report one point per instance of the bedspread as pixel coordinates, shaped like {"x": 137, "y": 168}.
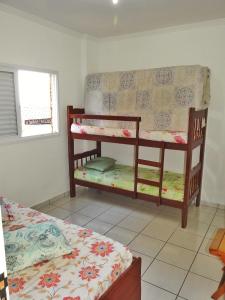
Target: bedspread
{"x": 85, "y": 274}
{"x": 178, "y": 137}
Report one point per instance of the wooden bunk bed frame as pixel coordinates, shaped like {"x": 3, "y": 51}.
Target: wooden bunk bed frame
{"x": 192, "y": 175}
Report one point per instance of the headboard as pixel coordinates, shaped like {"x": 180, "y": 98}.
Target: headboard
{"x": 162, "y": 97}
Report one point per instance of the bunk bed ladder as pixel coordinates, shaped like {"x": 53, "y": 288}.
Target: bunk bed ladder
{"x": 156, "y": 164}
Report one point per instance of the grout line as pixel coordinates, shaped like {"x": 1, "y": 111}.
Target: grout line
{"x": 165, "y": 242}
{"x": 160, "y": 287}
{"x": 189, "y": 270}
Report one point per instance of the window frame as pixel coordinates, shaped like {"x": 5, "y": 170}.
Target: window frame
{"x": 19, "y": 138}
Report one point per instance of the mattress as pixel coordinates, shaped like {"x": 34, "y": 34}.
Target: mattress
{"x": 122, "y": 176}
{"x": 84, "y": 274}
{"x": 178, "y": 137}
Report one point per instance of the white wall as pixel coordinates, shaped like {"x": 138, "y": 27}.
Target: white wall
{"x": 197, "y": 44}
{"x": 36, "y": 170}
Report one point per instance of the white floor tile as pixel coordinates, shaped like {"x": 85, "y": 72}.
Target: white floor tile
{"x": 125, "y": 210}
{"x": 133, "y": 223}
{"x": 59, "y": 213}
{"x": 212, "y": 231}
{"x": 220, "y": 212}
{"x": 111, "y": 218}
{"x": 196, "y": 227}
{"x": 200, "y": 216}
{"x": 99, "y": 226}
{"x": 73, "y": 205}
{"x": 78, "y": 219}
{"x": 165, "y": 276}
{"x": 121, "y": 235}
{"x": 145, "y": 261}
{"x": 186, "y": 240}
{"x": 44, "y": 208}
{"x": 159, "y": 230}
{"x": 198, "y": 288}
{"x": 92, "y": 211}
{"x": 207, "y": 266}
{"x": 204, "y": 249}
{"x": 176, "y": 256}
{"x": 144, "y": 213}
{"x": 151, "y": 292}
{"x": 219, "y": 221}
{"x": 168, "y": 219}
{"x": 146, "y": 245}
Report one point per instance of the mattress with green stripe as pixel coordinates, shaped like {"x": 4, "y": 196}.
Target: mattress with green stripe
{"x": 122, "y": 177}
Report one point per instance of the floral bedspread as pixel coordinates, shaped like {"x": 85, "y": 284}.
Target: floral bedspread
{"x": 85, "y": 274}
{"x": 178, "y": 137}
{"x": 121, "y": 176}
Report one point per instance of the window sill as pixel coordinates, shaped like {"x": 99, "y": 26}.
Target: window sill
{"x": 16, "y": 139}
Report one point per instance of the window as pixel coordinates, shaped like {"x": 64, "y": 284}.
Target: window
{"x": 28, "y": 103}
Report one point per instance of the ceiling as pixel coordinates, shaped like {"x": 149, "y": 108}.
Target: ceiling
{"x": 100, "y": 18}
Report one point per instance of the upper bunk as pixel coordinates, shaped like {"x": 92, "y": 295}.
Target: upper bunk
{"x": 171, "y": 105}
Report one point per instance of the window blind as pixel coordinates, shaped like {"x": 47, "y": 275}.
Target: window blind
{"x": 8, "y": 117}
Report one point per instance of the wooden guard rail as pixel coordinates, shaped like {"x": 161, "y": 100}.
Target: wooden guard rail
{"x": 197, "y": 126}
{"x": 195, "y": 181}
{"x": 87, "y": 155}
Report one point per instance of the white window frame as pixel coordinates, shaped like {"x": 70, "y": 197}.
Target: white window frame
{"x": 19, "y": 138}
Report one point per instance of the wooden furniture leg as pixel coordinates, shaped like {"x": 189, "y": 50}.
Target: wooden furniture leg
{"x": 217, "y": 248}
{"x": 221, "y": 289}
{"x": 71, "y": 153}
{"x": 202, "y": 154}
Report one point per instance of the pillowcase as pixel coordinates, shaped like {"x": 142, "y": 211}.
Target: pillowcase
{"x": 33, "y": 244}
{"x": 7, "y": 213}
{"x": 101, "y": 164}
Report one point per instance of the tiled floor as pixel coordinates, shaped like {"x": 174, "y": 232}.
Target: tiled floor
{"x": 175, "y": 261}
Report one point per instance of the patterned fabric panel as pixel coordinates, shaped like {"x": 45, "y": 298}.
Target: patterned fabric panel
{"x": 85, "y": 274}
{"x": 123, "y": 177}
{"x": 162, "y": 97}
{"x": 154, "y": 135}
{"x": 33, "y": 244}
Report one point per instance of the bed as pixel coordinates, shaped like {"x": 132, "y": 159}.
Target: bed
{"x": 122, "y": 177}
{"x": 163, "y": 108}
{"x": 97, "y": 268}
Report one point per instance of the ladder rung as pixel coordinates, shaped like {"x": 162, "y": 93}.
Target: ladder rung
{"x": 148, "y": 182}
{"x": 149, "y": 163}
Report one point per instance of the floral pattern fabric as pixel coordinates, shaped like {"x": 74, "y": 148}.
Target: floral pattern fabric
{"x": 178, "y": 137}
{"x": 84, "y": 274}
{"x": 123, "y": 177}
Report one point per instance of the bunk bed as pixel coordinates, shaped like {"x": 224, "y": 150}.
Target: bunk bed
{"x": 163, "y": 108}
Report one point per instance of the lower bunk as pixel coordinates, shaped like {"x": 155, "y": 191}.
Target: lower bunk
{"x": 121, "y": 180}
{"x": 95, "y": 268}
{"x": 122, "y": 177}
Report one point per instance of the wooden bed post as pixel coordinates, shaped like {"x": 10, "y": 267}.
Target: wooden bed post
{"x": 136, "y": 156}
{"x": 201, "y": 159}
{"x": 99, "y": 148}
{"x": 71, "y": 152}
{"x": 188, "y": 165}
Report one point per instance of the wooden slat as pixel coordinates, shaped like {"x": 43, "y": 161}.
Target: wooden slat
{"x": 105, "y": 117}
{"x": 196, "y": 169}
{"x": 148, "y": 182}
{"x": 149, "y": 163}
{"x": 104, "y": 138}
{"x": 103, "y": 187}
{"x": 85, "y": 154}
